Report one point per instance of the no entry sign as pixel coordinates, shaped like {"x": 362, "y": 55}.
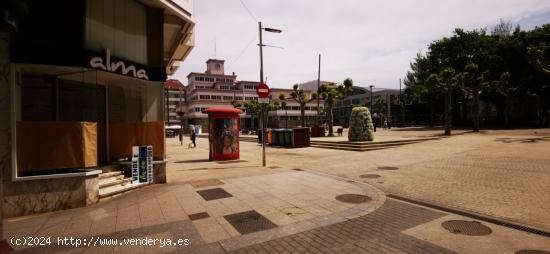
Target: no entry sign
{"x": 262, "y": 90}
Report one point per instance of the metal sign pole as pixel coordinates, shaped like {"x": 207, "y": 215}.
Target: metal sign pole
{"x": 262, "y": 105}
{"x": 263, "y": 135}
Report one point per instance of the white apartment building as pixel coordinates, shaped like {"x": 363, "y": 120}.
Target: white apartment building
{"x": 214, "y": 88}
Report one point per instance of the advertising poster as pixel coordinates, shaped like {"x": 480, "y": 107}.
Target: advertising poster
{"x": 135, "y": 159}
{"x": 142, "y": 164}
{"x": 226, "y": 138}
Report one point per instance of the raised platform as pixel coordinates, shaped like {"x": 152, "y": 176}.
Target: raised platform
{"x": 362, "y": 146}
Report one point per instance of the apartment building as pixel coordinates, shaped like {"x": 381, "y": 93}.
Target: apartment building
{"x": 174, "y": 93}
{"x": 214, "y": 88}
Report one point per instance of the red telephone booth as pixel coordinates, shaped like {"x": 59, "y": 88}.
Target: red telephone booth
{"x": 223, "y": 133}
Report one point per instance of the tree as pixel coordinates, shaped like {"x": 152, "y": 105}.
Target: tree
{"x": 330, "y": 95}
{"x": 507, "y": 89}
{"x": 299, "y": 95}
{"x": 379, "y": 106}
{"x": 446, "y": 81}
{"x": 536, "y": 57}
{"x": 417, "y": 89}
{"x": 252, "y": 107}
{"x": 473, "y": 85}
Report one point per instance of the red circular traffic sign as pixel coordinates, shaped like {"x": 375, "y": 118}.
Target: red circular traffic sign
{"x": 262, "y": 90}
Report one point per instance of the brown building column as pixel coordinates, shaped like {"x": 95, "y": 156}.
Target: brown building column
{"x": 5, "y": 119}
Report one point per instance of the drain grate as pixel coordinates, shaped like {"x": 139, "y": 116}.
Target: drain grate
{"x": 212, "y": 194}
{"x": 206, "y": 183}
{"x": 249, "y": 222}
{"x": 531, "y": 252}
{"x": 198, "y": 216}
{"x": 370, "y": 176}
{"x": 353, "y": 198}
{"x": 463, "y": 227}
{"x": 388, "y": 168}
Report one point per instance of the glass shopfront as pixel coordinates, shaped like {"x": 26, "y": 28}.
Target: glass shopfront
{"x": 83, "y": 119}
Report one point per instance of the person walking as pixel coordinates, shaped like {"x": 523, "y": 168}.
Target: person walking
{"x": 193, "y": 138}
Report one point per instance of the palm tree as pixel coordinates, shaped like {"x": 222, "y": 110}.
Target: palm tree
{"x": 330, "y": 95}
{"x": 299, "y": 95}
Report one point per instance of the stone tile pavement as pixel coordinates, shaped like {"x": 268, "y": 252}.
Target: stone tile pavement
{"x": 474, "y": 172}
{"x": 294, "y": 200}
{"x": 502, "y": 174}
{"x": 379, "y": 232}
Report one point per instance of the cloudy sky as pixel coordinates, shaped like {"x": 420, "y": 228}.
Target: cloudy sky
{"x": 371, "y": 42}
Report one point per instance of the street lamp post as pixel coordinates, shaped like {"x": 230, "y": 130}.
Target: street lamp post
{"x": 262, "y": 122}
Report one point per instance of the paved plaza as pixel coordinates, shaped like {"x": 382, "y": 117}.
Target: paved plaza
{"x": 497, "y": 174}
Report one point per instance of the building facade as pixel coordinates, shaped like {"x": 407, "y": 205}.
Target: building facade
{"x": 174, "y": 93}
{"x": 214, "y": 88}
{"x": 85, "y": 86}
{"x": 312, "y": 85}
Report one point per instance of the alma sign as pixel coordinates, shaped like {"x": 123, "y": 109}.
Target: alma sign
{"x": 114, "y": 66}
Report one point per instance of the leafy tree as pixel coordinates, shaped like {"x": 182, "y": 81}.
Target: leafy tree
{"x": 536, "y": 57}
{"x": 507, "y": 89}
{"x": 507, "y": 49}
{"x": 252, "y": 107}
{"x": 379, "y": 106}
{"x": 299, "y": 95}
{"x": 473, "y": 85}
{"x": 255, "y": 108}
{"x": 417, "y": 89}
{"x": 330, "y": 95}
{"x": 446, "y": 81}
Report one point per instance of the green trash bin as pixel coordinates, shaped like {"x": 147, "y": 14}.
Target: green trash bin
{"x": 275, "y": 133}
{"x": 287, "y": 137}
{"x": 277, "y": 138}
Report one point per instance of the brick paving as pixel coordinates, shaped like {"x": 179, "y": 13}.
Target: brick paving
{"x": 378, "y": 232}
{"x": 502, "y": 174}
{"x": 505, "y": 178}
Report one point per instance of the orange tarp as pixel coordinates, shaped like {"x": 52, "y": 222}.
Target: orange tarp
{"x": 56, "y": 145}
{"x": 122, "y": 136}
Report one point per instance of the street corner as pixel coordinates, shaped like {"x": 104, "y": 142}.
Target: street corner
{"x": 241, "y": 211}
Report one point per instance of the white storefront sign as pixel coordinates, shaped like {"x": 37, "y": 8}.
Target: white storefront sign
{"x": 107, "y": 65}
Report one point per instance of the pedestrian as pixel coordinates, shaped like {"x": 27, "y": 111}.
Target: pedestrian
{"x": 385, "y": 124}
{"x": 193, "y": 138}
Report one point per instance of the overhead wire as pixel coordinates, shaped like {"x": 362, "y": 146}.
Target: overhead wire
{"x": 248, "y": 10}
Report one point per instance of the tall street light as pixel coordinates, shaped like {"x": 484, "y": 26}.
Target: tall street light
{"x": 261, "y": 45}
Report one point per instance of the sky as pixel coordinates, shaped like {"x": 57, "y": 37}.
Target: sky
{"x": 371, "y": 42}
